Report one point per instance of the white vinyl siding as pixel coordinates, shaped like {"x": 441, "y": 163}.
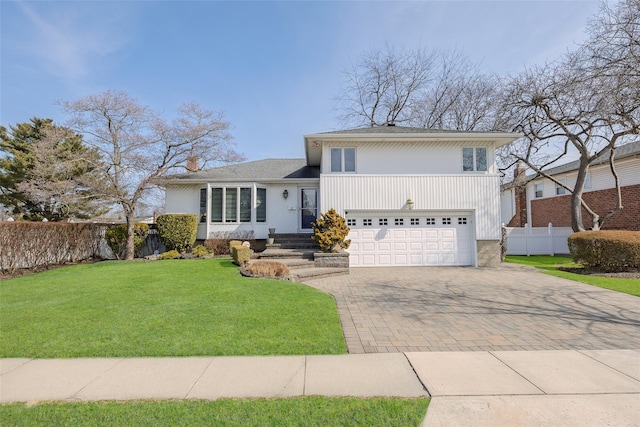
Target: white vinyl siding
{"x": 408, "y": 157}
{"x": 478, "y": 193}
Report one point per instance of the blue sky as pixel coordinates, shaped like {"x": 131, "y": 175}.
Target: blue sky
{"x": 275, "y": 68}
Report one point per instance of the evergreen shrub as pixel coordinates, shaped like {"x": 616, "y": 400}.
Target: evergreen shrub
{"x": 606, "y": 250}
{"x": 178, "y": 231}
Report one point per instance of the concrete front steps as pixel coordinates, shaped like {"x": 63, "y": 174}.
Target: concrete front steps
{"x": 296, "y": 252}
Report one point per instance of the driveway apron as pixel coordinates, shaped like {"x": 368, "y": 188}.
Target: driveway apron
{"x": 512, "y": 307}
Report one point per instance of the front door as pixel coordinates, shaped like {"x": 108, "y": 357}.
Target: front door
{"x": 309, "y": 207}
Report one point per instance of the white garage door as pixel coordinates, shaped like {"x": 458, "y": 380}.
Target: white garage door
{"x": 416, "y": 240}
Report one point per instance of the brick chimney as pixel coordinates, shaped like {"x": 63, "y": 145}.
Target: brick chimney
{"x": 193, "y": 164}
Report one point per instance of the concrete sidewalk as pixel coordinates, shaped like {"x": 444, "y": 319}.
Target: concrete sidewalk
{"x": 487, "y": 388}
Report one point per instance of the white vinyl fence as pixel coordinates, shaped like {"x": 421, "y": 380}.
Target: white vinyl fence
{"x": 537, "y": 240}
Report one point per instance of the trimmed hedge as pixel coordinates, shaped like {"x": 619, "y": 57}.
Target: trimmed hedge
{"x": 178, "y": 231}
{"x": 606, "y": 250}
{"x": 240, "y": 254}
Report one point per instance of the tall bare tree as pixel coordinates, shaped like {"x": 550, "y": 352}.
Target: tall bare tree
{"x": 431, "y": 89}
{"x": 64, "y": 182}
{"x": 588, "y": 102}
{"x": 138, "y": 146}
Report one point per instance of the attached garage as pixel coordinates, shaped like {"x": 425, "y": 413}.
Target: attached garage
{"x": 411, "y": 238}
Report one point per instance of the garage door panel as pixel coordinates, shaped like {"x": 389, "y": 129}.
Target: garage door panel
{"x": 447, "y": 245}
{"x": 415, "y": 246}
{"x": 400, "y": 246}
{"x": 384, "y": 259}
{"x": 401, "y": 259}
{"x": 384, "y": 246}
{"x": 415, "y": 234}
{"x": 368, "y": 246}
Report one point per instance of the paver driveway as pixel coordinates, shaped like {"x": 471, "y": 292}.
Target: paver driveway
{"x": 511, "y": 307}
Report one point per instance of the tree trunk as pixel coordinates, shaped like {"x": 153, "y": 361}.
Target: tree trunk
{"x": 576, "y": 196}
{"x": 130, "y": 249}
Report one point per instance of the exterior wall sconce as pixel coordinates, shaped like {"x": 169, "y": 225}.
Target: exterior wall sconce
{"x": 285, "y": 194}
{"x": 409, "y": 204}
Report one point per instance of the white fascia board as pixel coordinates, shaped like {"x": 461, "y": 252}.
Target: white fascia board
{"x": 227, "y": 180}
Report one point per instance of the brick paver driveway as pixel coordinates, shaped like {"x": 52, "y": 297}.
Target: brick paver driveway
{"x": 512, "y": 307}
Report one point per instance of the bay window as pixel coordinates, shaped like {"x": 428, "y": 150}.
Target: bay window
{"x": 234, "y": 204}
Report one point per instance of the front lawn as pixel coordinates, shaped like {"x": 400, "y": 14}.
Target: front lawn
{"x": 199, "y": 307}
{"x": 552, "y": 264}
{"x": 303, "y": 411}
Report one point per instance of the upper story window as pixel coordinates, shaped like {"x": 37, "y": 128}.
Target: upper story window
{"x": 343, "y": 160}
{"x": 474, "y": 159}
{"x": 560, "y": 190}
{"x": 539, "y": 190}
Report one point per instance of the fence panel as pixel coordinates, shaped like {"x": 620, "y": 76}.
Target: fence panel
{"x": 538, "y": 240}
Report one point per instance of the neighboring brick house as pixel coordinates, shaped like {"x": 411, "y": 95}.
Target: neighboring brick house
{"x": 539, "y": 201}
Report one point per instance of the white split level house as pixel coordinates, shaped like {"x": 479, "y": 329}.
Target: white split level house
{"x": 411, "y": 196}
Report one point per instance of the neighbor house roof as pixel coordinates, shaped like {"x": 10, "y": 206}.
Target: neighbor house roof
{"x": 628, "y": 150}
{"x": 260, "y": 170}
{"x": 631, "y": 149}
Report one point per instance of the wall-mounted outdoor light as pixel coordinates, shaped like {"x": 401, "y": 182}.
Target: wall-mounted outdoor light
{"x": 409, "y": 204}
{"x": 285, "y": 194}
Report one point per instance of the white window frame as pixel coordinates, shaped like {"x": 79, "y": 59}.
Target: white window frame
{"x": 474, "y": 151}
{"x": 237, "y": 220}
{"x": 560, "y": 190}
{"x": 538, "y": 187}
{"x": 343, "y": 161}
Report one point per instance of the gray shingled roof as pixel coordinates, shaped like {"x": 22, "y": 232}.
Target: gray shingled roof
{"x": 260, "y": 170}
{"x": 627, "y": 150}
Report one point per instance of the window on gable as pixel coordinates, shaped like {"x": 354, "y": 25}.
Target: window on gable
{"x": 343, "y": 160}
{"x": 560, "y": 190}
{"x": 474, "y": 159}
{"x": 539, "y": 189}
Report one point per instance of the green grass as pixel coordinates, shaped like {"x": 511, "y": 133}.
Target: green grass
{"x": 303, "y": 411}
{"x": 551, "y": 264}
{"x": 165, "y": 308}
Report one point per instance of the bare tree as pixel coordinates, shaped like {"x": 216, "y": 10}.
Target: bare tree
{"x": 138, "y": 146}
{"x": 381, "y": 87}
{"x": 441, "y": 90}
{"x": 63, "y": 181}
{"x": 588, "y": 102}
